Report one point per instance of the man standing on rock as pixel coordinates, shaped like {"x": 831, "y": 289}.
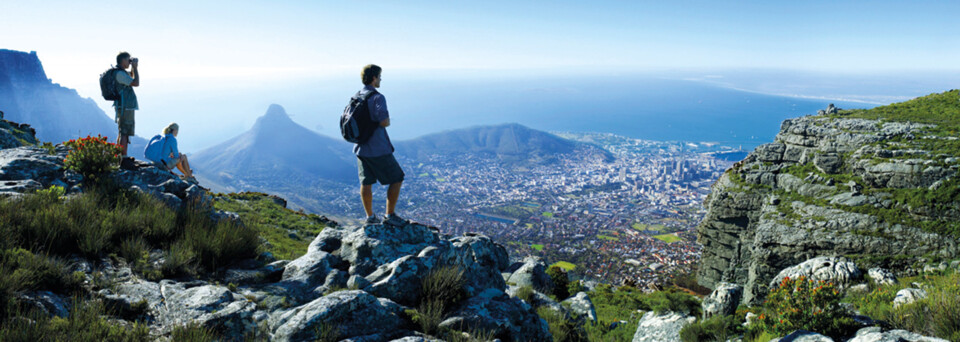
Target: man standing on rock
{"x": 375, "y": 159}
{"x": 127, "y": 103}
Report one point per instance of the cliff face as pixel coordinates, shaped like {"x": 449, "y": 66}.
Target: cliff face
{"x": 875, "y": 185}
{"x": 57, "y": 113}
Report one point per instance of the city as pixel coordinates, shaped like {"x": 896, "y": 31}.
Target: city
{"x": 630, "y": 219}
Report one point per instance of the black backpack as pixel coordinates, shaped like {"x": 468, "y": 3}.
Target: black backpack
{"x": 108, "y": 85}
{"x": 356, "y": 126}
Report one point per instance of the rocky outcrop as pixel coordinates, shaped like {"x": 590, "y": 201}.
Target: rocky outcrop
{"x": 907, "y": 296}
{"x": 723, "y": 300}
{"x": 662, "y": 327}
{"x": 876, "y": 334}
{"x": 827, "y": 186}
{"x": 581, "y": 306}
{"x": 840, "y": 271}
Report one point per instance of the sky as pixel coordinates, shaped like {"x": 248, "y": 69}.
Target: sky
{"x": 242, "y": 45}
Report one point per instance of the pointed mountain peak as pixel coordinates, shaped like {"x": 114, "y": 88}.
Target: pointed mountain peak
{"x": 276, "y": 110}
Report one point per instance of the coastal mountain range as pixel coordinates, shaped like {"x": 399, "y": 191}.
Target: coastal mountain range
{"x": 279, "y": 156}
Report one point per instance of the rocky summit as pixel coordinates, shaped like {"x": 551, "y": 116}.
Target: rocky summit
{"x": 875, "y": 186}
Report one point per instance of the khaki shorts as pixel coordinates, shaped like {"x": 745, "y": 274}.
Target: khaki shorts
{"x": 125, "y": 122}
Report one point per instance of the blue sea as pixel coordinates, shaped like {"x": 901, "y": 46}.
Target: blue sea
{"x": 638, "y": 107}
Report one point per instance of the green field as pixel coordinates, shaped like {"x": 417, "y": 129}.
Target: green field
{"x": 610, "y": 238}
{"x": 565, "y": 265}
{"x": 538, "y": 247}
{"x": 648, "y": 227}
{"x": 425, "y": 174}
{"x": 529, "y": 225}
{"x": 668, "y": 238}
{"x": 547, "y": 214}
{"x": 441, "y": 179}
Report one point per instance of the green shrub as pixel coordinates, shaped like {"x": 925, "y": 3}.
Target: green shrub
{"x": 440, "y": 290}
{"x": 444, "y": 284}
{"x": 560, "y": 282}
{"x": 938, "y": 314}
{"x": 575, "y": 287}
{"x": 804, "y": 304}
{"x": 716, "y": 328}
{"x": 85, "y": 322}
{"x": 92, "y": 157}
{"x": 193, "y": 333}
{"x": 560, "y": 327}
{"x": 525, "y": 294}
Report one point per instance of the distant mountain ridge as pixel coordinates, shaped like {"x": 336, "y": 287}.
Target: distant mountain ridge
{"x": 56, "y": 112}
{"x": 512, "y": 143}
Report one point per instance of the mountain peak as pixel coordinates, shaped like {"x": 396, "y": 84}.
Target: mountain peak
{"x": 276, "y": 110}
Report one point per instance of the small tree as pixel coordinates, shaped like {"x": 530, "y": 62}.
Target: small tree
{"x": 560, "y": 282}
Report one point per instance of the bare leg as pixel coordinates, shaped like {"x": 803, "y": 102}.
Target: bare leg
{"x": 393, "y": 193}
{"x": 184, "y": 166}
{"x": 366, "y": 195}
{"x": 123, "y": 140}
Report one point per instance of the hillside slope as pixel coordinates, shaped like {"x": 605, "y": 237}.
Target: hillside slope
{"x": 878, "y": 186}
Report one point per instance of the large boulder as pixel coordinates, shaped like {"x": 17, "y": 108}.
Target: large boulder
{"x": 492, "y": 311}
{"x": 581, "y": 306}
{"x": 211, "y": 306}
{"x": 882, "y": 276}
{"x": 662, "y": 327}
{"x": 839, "y": 270}
{"x": 30, "y": 163}
{"x": 723, "y": 300}
{"x": 367, "y": 247}
{"x": 907, "y": 296}
{"x": 875, "y": 334}
{"x": 353, "y": 313}
{"x": 133, "y": 297}
{"x": 532, "y": 272}
{"x": 46, "y": 302}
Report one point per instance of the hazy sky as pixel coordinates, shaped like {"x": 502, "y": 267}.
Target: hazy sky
{"x": 277, "y": 38}
{"x": 223, "y": 45}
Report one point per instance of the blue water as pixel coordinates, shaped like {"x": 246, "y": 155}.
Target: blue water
{"x": 639, "y": 107}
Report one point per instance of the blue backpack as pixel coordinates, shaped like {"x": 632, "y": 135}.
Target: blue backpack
{"x": 155, "y": 148}
{"x": 356, "y": 126}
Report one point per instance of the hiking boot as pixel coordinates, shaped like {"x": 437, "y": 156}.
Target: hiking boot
{"x": 371, "y": 220}
{"x": 395, "y": 220}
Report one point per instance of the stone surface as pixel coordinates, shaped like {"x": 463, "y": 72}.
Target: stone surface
{"x": 907, "y": 296}
{"x": 532, "y": 272}
{"x": 47, "y": 302}
{"x": 723, "y": 300}
{"x": 506, "y": 317}
{"x": 210, "y": 306}
{"x": 581, "y": 305}
{"x": 875, "y": 334}
{"x": 664, "y": 327}
{"x": 748, "y": 238}
{"x": 354, "y": 313}
{"x": 804, "y": 336}
{"x": 882, "y": 276}
{"x": 133, "y": 297}
{"x": 839, "y": 271}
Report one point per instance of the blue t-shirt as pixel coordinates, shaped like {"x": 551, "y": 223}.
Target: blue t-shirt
{"x": 379, "y": 143}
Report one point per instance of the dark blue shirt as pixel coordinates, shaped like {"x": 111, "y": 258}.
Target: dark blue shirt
{"x": 379, "y": 143}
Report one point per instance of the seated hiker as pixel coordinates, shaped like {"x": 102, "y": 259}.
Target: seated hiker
{"x": 162, "y": 150}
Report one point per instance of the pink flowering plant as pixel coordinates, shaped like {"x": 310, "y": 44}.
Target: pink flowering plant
{"x": 804, "y": 304}
{"x": 92, "y": 157}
